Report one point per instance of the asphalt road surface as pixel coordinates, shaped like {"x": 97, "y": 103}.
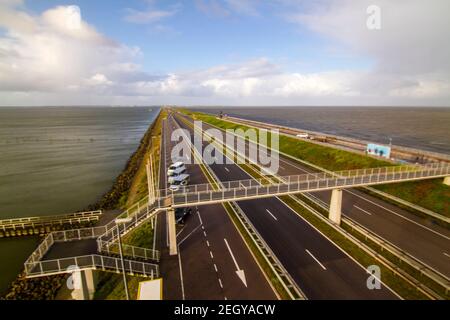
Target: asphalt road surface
{"x": 211, "y": 251}
{"x": 427, "y": 242}
{"x": 320, "y": 268}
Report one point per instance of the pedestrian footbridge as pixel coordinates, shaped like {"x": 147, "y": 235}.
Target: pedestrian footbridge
{"x": 203, "y": 194}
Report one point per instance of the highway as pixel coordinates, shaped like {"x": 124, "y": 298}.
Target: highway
{"x": 427, "y": 242}
{"x": 211, "y": 251}
{"x": 320, "y": 268}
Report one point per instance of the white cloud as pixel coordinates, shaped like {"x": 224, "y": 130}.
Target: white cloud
{"x": 58, "y": 58}
{"x": 99, "y": 80}
{"x": 54, "y": 51}
{"x": 410, "y": 52}
{"x": 151, "y": 14}
{"x": 148, "y": 16}
{"x": 224, "y": 8}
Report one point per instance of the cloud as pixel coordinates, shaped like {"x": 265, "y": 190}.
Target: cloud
{"x": 212, "y": 8}
{"x": 244, "y": 7}
{"x": 59, "y": 58}
{"x": 54, "y": 51}
{"x": 149, "y": 16}
{"x": 411, "y": 32}
{"x": 226, "y": 8}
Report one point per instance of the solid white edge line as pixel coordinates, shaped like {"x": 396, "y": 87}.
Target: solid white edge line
{"x": 398, "y": 214}
{"x": 317, "y": 260}
{"x": 276, "y": 219}
{"x": 181, "y": 273}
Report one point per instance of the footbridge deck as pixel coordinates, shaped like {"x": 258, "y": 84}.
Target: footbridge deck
{"x": 203, "y": 194}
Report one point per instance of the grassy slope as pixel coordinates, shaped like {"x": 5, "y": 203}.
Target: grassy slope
{"x": 111, "y": 286}
{"x": 430, "y": 194}
{"x": 325, "y": 157}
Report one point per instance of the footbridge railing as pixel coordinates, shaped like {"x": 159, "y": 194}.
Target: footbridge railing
{"x": 258, "y": 188}
{"x": 33, "y": 222}
{"x": 94, "y": 261}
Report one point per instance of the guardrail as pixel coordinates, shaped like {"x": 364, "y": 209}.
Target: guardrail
{"x": 422, "y": 268}
{"x": 95, "y": 261}
{"x": 422, "y": 210}
{"x": 289, "y": 285}
{"x": 419, "y": 266}
{"x": 32, "y": 222}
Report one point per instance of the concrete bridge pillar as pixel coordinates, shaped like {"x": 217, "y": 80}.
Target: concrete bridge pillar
{"x": 173, "y": 248}
{"x": 447, "y": 180}
{"x": 336, "y": 206}
{"x": 84, "y": 282}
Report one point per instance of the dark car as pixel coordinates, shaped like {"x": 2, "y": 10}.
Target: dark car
{"x": 181, "y": 214}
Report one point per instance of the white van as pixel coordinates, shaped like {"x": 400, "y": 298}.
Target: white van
{"x": 179, "y": 181}
{"x": 179, "y": 171}
{"x": 175, "y": 168}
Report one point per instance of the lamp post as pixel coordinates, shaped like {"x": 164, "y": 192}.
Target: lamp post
{"x": 118, "y": 223}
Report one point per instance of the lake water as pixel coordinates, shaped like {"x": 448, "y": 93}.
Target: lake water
{"x": 56, "y": 160}
{"x": 421, "y": 128}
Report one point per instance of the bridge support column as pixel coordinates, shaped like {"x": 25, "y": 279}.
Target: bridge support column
{"x": 447, "y": 180}
{"x": 84, "y": 282}
{"x": 173, "y": 248}
{"x": 336, "y": 206}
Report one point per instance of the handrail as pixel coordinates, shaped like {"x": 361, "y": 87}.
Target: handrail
{"x": 75, "y": 215}
{"x": 397, "y": 173}
{"x": 234, "y": 190}
{"x": 94, "y": 261}
{"x": 112, "y": 247}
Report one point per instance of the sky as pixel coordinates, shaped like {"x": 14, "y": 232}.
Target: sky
{"x": 225, "y": 52}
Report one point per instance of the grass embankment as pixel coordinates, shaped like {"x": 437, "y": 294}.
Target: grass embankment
{"x": 325, "y": 157}
{"x": 110, "y": 286}
{"x": 430, "y": 194}
{"x": 46, "y": 288}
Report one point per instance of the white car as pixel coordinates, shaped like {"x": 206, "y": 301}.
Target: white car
{"x": 303, "y": 135}
{"x": 179, "y": 181}
{"x": 175, "y": 167}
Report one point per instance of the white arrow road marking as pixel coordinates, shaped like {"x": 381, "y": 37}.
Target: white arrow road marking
{"x": 240, "y": 273}
{"x": 323, "y": 267}
{"x": 227, "y": 169}
{"x": 446, "y": 254}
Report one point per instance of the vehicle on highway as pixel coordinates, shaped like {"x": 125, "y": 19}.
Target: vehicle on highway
{"x": 179, "y": 181}
{"x": 175, "y": 167}
{"x": 303, "y": 135}
{"x": 174, "y": 174}
{"x": 181, "y": 214}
